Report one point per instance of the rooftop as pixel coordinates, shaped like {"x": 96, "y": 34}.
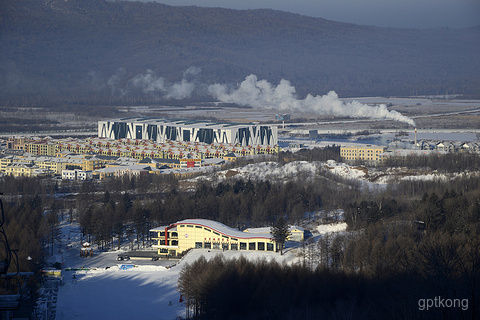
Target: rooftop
{"x": 220, "y": 228}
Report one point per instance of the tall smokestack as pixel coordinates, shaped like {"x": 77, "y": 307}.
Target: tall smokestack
{"x": 415, "y": 137}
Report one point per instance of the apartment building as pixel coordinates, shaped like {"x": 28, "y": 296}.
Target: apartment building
{"x": 362, "y": 152}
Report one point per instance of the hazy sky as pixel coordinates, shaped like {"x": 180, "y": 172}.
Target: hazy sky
{"x": 382, "y": 13}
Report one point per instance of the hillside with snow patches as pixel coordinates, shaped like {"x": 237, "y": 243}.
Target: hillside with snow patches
{"x": 371, "y": 177}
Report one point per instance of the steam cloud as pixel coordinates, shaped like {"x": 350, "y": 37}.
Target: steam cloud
{"x": 251, "y": 92}
{"x": 149, "y": 82}
{"x": 114, "y": 82}
{"x": 261, "y": 94}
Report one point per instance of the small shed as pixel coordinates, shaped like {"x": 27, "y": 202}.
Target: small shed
{"x": 296, "y": 233}
{"x": 86, "y": 250}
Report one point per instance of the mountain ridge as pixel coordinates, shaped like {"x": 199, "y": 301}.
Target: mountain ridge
{"x": 51, "y": 48}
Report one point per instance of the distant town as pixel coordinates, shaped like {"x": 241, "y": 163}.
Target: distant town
{"x": 133, "y": 150}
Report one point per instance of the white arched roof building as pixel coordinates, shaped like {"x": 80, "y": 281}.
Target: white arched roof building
{"x": 201, "y": 233}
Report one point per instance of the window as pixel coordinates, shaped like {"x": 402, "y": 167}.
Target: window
{"x": 208, "y": 245}
{"x": 261, "y": 246}
{"x": 174, "y": 242}
{"x": 251, "y": 246}
{"x": 216, "y": 233}
{"x": 162, "y": 242}
{"x": 189, "y": 226}
{"x": 233, "y": 239}
{"x": 270, "y": 247}
{"x": 225, "y": 246}
{"x": 224, "y": 236}
{"x": 162, "y": 234}
{"x": 198, "y": 245}
{"x": 216, "y": 245}
{"x": 200, "y": 227}
{"x": 174, "y": 235}
{"x": 206, "y": 229}
{"x": 234, "y": 246}
{"x": 243, "y": 246}
{"x": 163, "y": 250}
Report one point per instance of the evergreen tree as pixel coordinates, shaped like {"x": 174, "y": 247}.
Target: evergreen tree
{"x": 280, "y": 233}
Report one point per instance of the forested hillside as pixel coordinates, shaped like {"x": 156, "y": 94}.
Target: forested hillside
{"x": 90, "y": 52}
{"x": 406, "y": 242}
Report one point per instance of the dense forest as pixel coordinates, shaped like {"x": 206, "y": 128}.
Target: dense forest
{"x": 77, "y": 52}
{"x": 412, "y": 240}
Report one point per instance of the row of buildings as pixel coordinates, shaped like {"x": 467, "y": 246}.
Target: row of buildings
{"x": 100, "y": 157}
{"x": 133, "y": 148}
{"x": 161, "y": 131}
{"x": 376, "y": 154}
{"x": 85, "y": 167}
{"x": 449, "y": 146}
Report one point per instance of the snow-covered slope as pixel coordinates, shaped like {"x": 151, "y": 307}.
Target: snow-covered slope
{"x": 271, "y": 171}
{"x": 147, "y": 291}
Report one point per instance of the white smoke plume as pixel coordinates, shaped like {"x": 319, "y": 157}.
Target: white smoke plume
{"x": 192, "y": 71}
{"x": 149, "y": 82}
{"x": 114, "y": 82}
{"x": 263, "y": 95}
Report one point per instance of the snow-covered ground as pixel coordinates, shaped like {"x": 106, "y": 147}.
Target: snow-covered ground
{"x": 144, "y": 292}
{"x": 275, "y": 171}
{"x": 332, "y": 227}
{"x": 272, "y": 171}
{"x": 147, "y": 291}
{"x": 368, "y": 178}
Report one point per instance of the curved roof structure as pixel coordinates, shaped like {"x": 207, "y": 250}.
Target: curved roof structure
{"x": 223, "y": 229}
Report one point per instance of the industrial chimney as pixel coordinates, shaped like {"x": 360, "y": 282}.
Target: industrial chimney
{"x": 415, "y": 137}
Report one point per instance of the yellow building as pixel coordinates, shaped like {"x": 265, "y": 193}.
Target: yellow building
{"x": 16, "y": 143}
{"x": 230, "y": 157}
{"x": 5, "y": 162}
{"x": 50, "y": 164}
{"x": 201, "y": 233}
{"x": 19, "y": 169}
{"x": 296, "y": 233}
{"x": 367, "y": 152}
{"x": 43, "y": 148}
{"x": 171, "y": 163}
{"x": 90, "y": 163}
{"x": 190, "y": 163}
{"x": 27, "y": 170}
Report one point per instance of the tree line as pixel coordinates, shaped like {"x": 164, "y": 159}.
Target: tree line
{"x": 443, "y": 163}
{"x": 240, "y": 204}
{"x": 390, "y": 289}
{"x": 414, "y": 236}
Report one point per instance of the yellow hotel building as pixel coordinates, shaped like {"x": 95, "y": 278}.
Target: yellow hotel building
{"x": 367, "y": 152}
{"x": 201, "y": 233}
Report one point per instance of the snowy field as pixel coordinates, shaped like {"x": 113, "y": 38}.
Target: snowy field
{"x": 144, "y": 292}
{"x": 147, "y": 291}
